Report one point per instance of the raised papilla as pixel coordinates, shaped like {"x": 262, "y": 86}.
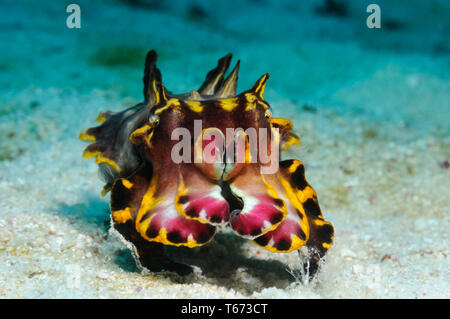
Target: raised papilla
{"x": 156, "y": 201}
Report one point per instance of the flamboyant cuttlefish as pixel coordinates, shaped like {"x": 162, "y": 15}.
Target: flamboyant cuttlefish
{"x": 164, "y": 192}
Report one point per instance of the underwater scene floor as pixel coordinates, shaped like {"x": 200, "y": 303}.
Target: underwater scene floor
{"x": 372, "y": 108}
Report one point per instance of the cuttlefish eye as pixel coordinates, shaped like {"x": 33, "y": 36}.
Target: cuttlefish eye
{"x": 153, "y": 120}
{"x": 268, "y": 114}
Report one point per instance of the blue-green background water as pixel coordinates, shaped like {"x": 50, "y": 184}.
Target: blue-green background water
{"x": 315, "y": 53}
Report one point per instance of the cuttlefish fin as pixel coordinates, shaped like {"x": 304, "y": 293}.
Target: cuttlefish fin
{"x": 304, "y": 223}
{"x": 103, "y": 116}
{"x": 200, "y": 198}
{"x": 110, "y": 144}
{"x": 101, "y": 155}
{"x": 214, "y": 78}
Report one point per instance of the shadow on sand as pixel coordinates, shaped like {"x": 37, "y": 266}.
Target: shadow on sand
{"x": 222, "y": 261}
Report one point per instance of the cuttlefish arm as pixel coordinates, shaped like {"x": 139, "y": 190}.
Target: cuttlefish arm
{"x": 127, "y": 196}
{"x": 304, "y": 224}
{"x": 200, "y": 198}
{"x": 179, "y": 204}
{"x": 149, "y": 205}
{"x": 263, "y": 209}
{"x": 111, "y": 147}
{"x": 282, "y": 208}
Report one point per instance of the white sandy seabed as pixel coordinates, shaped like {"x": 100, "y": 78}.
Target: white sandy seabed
{"x": 373, "y": 118}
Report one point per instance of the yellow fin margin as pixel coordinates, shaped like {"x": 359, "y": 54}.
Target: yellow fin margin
{"x": 86, "y": 137}
{"x": 101, "y": 159}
